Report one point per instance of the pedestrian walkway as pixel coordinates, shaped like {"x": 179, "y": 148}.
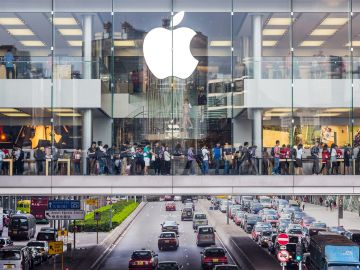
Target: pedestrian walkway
{"x": 351, "y": 220}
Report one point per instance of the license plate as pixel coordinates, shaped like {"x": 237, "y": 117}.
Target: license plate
{"x": 140, "y": 263}
{"x": 9, "y": 266}
{"x": 167, "y": 241}
{"x": 215, "y": 260}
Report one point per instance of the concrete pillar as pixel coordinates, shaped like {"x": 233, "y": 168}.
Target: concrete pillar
{"x": 246, "y": 47}
{"x": 87, "y": 38}
{"x": 86, "y": 136}
{"x": 257, "y": 44}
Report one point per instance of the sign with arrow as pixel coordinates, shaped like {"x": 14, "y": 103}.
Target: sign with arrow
{"x": 64, "y": 214}
{"x": 56, "y": 247}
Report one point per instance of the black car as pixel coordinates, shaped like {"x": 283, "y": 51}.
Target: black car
{"x": 169, "y": 265}
{"x": 36, "y": 256}
{"x": 250, "y": 222}
{"x": 353, "y": 235}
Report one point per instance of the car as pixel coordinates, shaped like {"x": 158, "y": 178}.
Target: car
{"x": 212, "y": 256}
{"x": 224, "y": 204}
{"x": 258, "y": 228}
{"x": 199, "y": 219}
{"x": 267, "y": 211}
{"x": 36, "y": 256}
{"x": 255, "y": 207}
{"x": 264, "y": 238}
{"x": 265, "y": 202}
{"x": 233, "y": 209}
{"x": 205, "y": 235}
{"x": 309, "y": 232}
{"x": 42, "y": 246}
{"x": 318, "y": 224}
{"x": 226, "y": 267}
{"x": 168, "y": 240}
{"x": 169, "y": 265}
{"x": 190, "y": 205}
{"x": 170, "y": 206}
{"x": 15, "y": 257}
{"x": 5, "y": 241}
{"x": 48, "y": 236}
{"x": 285, "y": 215}
{"x": 272, "y": 219}
{"x": 187, "y": 214}
{"x": 170, "y": 226}
{"x": 168, "y": 198}
{"x": 337, "y": 229}
{"x": 278, "y": 204}
{"x": 294, "y": 229}
{"x": 297, "y": 217}
{"x": 353, "y": 235}
{"x": 143, "y": 259}
{"x": 307, "y": 221}
{"x": 238, "y": 216}
{"x": 250, "y": 222}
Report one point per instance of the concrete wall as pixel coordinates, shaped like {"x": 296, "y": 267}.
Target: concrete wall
{"x": 242, "y": 131}
{"x": 102, "y": 129}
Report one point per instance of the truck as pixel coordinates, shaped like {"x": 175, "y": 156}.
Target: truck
{"x": 332, "y": 252}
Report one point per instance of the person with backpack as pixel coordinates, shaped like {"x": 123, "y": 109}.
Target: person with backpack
{"x": 205, "y": 160}
{"x": 347, "y": 158}
{"x": 325, "y": 160}
{"x": 275, "y": 152}
{"x": 298, "y": 160}
{"x": 333, "y": 158}
{"x": 217, "y": 155}
{"x": 315, "y": 150}
{"x": 39, "y": 156}
{"x": 191, "y": 160}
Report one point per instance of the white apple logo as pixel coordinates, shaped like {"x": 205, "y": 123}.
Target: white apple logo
{"x": 159, "y": 44}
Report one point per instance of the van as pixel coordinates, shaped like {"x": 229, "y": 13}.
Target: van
{"x": 22, "y": 226}
{"x": 187, "y": 214}
{"x": 15, "y": 257}
{"x": 200, "y": 219}
{"x": 48, "y": 236}
{"x": 205, "y": 236}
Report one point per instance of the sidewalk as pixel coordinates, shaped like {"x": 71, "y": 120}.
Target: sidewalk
{"x": 351, "y": 220}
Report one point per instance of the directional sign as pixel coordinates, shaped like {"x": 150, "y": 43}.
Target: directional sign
{"x": 283, "y": 239}
{"x": 283, "y": 256}
{"x": 63, "y": 204}
{"x": 56, "y": 247}
{"x": 91, "y": 201}
{"x": 62, "y": 233}
{"x": 65, "y": 214}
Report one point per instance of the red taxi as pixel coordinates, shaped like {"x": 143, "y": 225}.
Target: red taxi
{"x": 170, "y": 206}
{"x": 144, "y": 260}
{"x": 168, "y": 240}
{"x": 212, "y": 256}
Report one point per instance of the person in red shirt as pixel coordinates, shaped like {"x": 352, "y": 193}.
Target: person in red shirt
{"x": 325, "y": 155}
{"x": 284, "y": 154}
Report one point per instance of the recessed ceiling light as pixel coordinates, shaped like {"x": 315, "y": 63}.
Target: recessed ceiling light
{"x": 311, "y": 43}
{"x": 220, "y": 43}
{"x": 282, "y": 110}
{"x": 124, "y": 43}
{"x": 355, "y": 43}
{"x": 11, "y": 21}
{"x": 334, "y": 21}
{"x": 327, "y": 114}
{"x": 323, "y": 32}
{"x": 337, "y": 110}
{"x": 60, "y": 110}
{"x": 274, "y": 32}
{"x": 274, "y": 114}
{"x": 16, "y": 114}
{"x": 279, "y": 21}
{"x": 65, "y": 21}
{"x": 71, "y": 32}
{"x": 269, "y": 43}
{"x": 75, "y": 43}
{"x": 20, "y": 32}
{"x": 68, "y": 114}
{"x": 32, "y": 43}
{"x": 8, "y": 110}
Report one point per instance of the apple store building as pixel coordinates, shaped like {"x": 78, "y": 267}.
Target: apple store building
{"x": 185, "y": 73}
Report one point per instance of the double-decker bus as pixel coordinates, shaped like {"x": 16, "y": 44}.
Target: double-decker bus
{"x": 37, "y": 208}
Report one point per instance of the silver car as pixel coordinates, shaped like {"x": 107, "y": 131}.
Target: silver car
{"x": 199, "y": 219}
{"x": 15, "y": 258}
{"x": 205, "y": 236}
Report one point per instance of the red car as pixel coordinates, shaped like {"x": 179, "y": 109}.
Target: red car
{"x": 144, "y": 260}
{"x": 170, "y": 206}
{"x": 212, "y": 256}
{"x": 258, "y": 228}
{"x": 238, "y": 216}
{"x": 168, "y": 240}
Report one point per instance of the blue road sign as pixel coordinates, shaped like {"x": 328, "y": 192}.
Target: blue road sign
{"x": 63, "y": 204}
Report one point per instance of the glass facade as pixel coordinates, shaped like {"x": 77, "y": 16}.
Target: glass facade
{"x": 155, "y": 79}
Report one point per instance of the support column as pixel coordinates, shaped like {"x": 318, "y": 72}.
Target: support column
{"x": 86, "y": 137}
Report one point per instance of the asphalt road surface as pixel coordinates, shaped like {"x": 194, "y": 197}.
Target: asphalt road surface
{"x": 144, "y": 233}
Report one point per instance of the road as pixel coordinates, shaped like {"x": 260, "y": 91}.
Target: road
{"x": 144, "y": 233}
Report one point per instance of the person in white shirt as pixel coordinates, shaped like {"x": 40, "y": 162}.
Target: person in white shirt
{"x": 167, "y": 160}
{"x": 205, "y": 160}
{"x": 2, "y": 157}
{"x": 298, "y": 160}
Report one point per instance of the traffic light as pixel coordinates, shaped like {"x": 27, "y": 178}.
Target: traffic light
{"x": 299, "y": 252}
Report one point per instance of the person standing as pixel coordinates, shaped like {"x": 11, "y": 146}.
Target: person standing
{"x": 9, "y": 64}
{"x": 124, "y": 154}
{"x": 303, "y": 205}
{"x": 347, "y": 158}
{"x": 298, "y": 160}
{"x": 191, "y": 160}
{"x": 147, "y": 158}
{"x": 315, "y": 150}
{"x": 2, "y": 157}
{"x": 333, "y": 158}
{"x": 101, "y": 157}
{"x": 167, "y": 161}
{"x": 217, "y": 154}
{"x": 205, "y": 160}
{"x": 325, "y": 160}
{"x": 77, "y": 161}
{"x": 39, "y": 156}
{"x": 91, "y": 154}
{"x": 276, "y": 154}
{"x": 228, "y": 158}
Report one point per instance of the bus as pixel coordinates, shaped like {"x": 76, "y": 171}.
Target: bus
{"x": 37, "y": 208}
{"x": 23, "y": 206}
{"x": 22, "y": 226}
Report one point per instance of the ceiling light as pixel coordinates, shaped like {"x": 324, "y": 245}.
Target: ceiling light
{"x": 20, "y": 32}
{"x": 355, "y": 43}
{"x": 279, "y": 21}
{"x": 68, "y": 114}
{"x": 60, "y": 110}
{"x": 327, "y": 114}
{"x": 269, "y": 43}
{"x": 311, "y": 43}
{"x": 124, "y": 43}
{"x": 282, "y": 110}
{"x": 8, "y": 110}
{"x": 65, "y": 21}
{"x": 274, "y": 32}
{"x": 32, "y": 43}
{"x": 323, "y": 32}
{"x": 16, "y": 114}
{"x": 220, "y": 43}
{"x": 334, "y": 21}
{"x": 11, "y": 21}
{"x": 274, "y": 114}
{"x": 75, "y": 43}
{"x": 71, "y": 32}
{"x": 338, "y": 110}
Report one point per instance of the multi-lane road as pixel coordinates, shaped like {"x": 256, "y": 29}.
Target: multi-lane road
{"x": 144, "y": 233}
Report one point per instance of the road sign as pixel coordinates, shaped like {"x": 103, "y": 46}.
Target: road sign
{"x": 62, "y": 233}
{"x": 282, "y": 247}
{"x": 63, "y": 204}
{"x": 65, "y": 214}
{"x": 56, "y": 247}
{"x": 283, "y": 255}
{"x": 283, "y": 239}
{"x": 91, "y": 201}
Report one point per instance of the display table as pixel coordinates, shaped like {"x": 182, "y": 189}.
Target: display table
{"x": 11, "y": 165}
{"x": 60, "y": 160}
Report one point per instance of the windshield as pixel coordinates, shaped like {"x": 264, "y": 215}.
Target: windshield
{"x": 295, "y": 231}
{"x": 167, "y": 235}
{"x": 266, "y": 233}
{"x": 299, "y": 215}
{"x": 214, "y": 252}
{"x": 206, "y": 230}
{"x": 10, "y": 255}
{"x": 19, "y": 223}
{"x": 319, "y": 225}
{"x": 265, "y": 200}
{"x": 343, "y": 267}
{"x": 271, "y": 217}
{"x": 141, "y": 255}
{"x": 200, "y": 216}
{"x": 46, "y": 237}
{"x": 36, "y": 244}
{"x": 255, "y": 218}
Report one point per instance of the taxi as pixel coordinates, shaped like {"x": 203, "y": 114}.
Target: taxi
{"x": 168, "y": 240}
{"x": 212, "y": 256}
{"x": 143, "y": 259}
{"x": 170, "y": 206}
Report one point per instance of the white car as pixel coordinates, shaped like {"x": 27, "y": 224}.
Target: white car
{"x": 224, "y": 205}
